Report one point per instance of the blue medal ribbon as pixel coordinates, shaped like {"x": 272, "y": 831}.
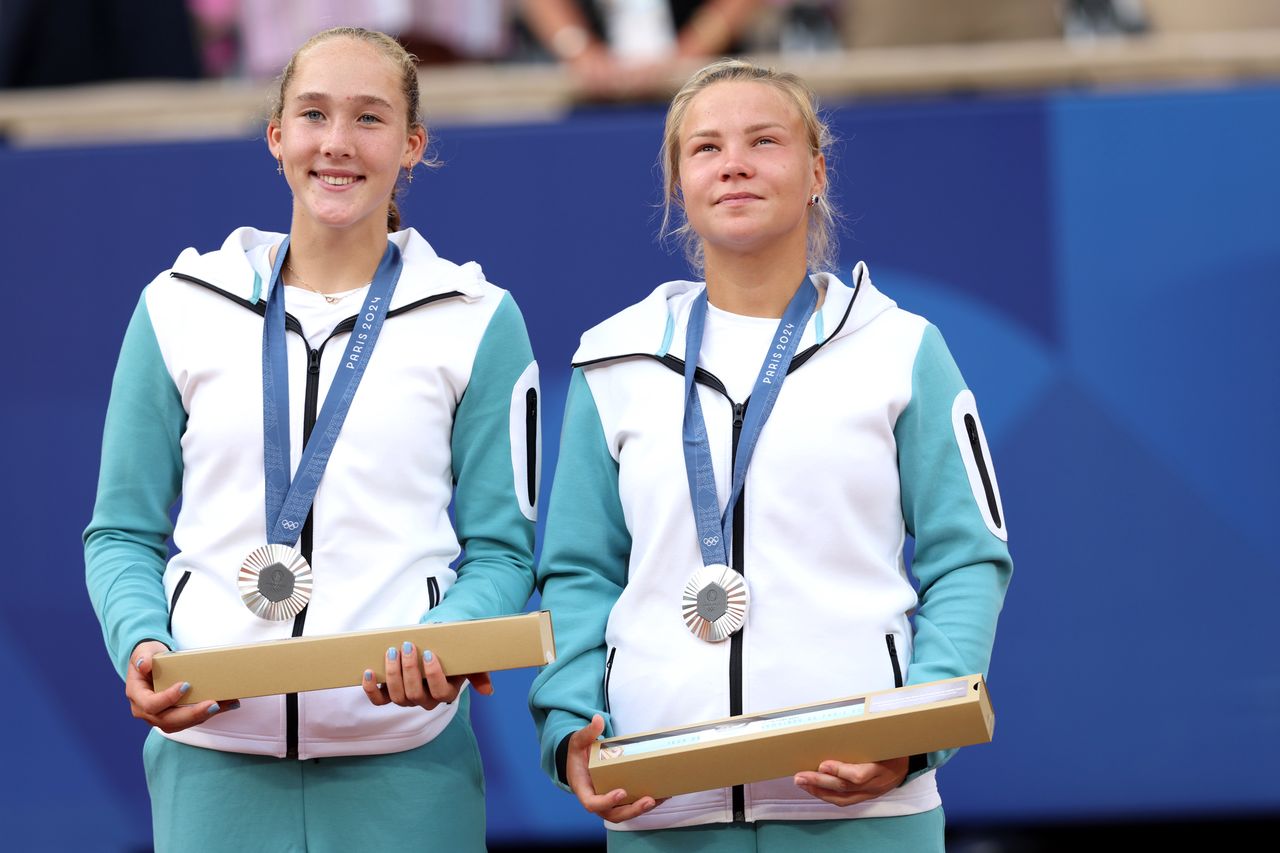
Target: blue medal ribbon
{"x": 289, "y": 501}
{"x": 715, "y": 530}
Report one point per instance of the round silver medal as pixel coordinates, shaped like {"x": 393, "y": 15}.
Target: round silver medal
{"x": 714, "y": 604}
{"x": 275, "y": 582}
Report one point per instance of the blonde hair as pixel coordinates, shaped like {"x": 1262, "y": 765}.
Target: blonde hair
{"x": 407, "y": 66}
{"x": 823, "y": 216}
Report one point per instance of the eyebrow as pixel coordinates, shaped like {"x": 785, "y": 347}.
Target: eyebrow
{"x": 319, "y": 97}
{"x": 755, "y": 128}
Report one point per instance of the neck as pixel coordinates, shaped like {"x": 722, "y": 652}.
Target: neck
{"x": 335, "y": 260}
{"x": 753, "y": 285}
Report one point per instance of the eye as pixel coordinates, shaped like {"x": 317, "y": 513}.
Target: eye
{"x": 706, "y": 146}
{"x": 766, "y": 140}
{"x": 312, "y": 115}
{"x": 369, "y": 118}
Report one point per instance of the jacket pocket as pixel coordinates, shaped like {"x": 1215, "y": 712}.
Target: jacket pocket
{"x": 608, "y": 671}
{"x": 531, "y": 445}
{"x": 433, "y": 593}
{"x": 893, "y": 659}
{"x": 173, "y": 599}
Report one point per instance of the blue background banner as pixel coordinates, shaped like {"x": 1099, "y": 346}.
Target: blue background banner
{"x": 1105, "y": 267}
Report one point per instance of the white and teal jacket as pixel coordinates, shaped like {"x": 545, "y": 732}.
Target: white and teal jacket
{"x": 447, "y": 410}
{"x": 874, "y": 438}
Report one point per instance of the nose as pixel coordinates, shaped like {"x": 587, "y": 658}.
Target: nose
{"x": 337, "y": 141}
{"x": 734, "y": 163}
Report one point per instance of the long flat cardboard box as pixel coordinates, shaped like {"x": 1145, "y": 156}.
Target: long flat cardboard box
{"x": 299, "y": 664}
{"x": 737, "y": 750}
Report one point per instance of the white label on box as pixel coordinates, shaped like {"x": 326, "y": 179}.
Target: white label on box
{"x": 909, "y": 697}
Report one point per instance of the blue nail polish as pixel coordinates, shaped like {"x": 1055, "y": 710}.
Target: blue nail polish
{"x": 391, "y": 653}
{"x": 213, "y": 709}
{"x": 368, "y": 675}
{"x": 138, "y": 664}
{"x": 427, "y": 656}
{"x": 408, "y": 648}
{"x": 186, "y": 685}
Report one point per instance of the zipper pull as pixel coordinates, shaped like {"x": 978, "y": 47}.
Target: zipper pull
{"x": 313, "y": 361}
{"x": 739, "y": 414}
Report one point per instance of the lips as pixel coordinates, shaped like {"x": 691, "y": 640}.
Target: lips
{"x": 737, "y": 198}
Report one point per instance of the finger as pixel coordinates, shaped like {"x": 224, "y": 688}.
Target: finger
{"x": 855, "y": 774}
{"x": 588, "y": 734}
{"x": 481, "y": 682}
{"x": 627, "y": 812}
{"x": 601, "y": 805}
{"x": 373, "y": 691}
{"x": 835, "y": 798}
{"x": 415, "y": 689}
{"x": 441, "y": 688}
{"x": 142, "y": 654}
{"x": 151, "y": 702}
{"x": 394, "y": 681}
{"x": 186, "y": 716}
{"x": 577, "y": 776}
{"x": 824, "y": 781}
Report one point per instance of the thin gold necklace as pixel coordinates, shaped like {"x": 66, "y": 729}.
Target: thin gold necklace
{"x": 331, "y": 299}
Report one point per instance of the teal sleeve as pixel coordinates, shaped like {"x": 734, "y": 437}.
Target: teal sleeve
{"x": 962, "y": 567}
{"x": 125, "y": 545}
{"x": 581, "y": 574}
{"x": 495, "y": 575}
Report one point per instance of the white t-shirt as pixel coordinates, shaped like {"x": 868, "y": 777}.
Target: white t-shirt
{"x": 734, "y": 347}
{"x": 317, "y": 315}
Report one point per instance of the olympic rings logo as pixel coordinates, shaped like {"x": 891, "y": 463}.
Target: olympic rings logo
{"x": 289, "y": 525}
{"x": 711, "y": 540}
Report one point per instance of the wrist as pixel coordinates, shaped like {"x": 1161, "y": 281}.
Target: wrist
{"x": 570, "y": 42}
{"x": 707, "y": 32}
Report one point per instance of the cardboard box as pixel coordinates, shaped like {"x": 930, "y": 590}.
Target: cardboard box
{"x": 299, "y": 664}
{"x": 737, "y": 750}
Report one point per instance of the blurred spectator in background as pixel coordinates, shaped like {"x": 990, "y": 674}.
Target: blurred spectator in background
{"x": 890, "y": 23}
{"x": 1202, "y": 15}
{"x": 622, "y": 47}
{"x": 63, "y": 42}
{"x": 614, "y": 48}
{"x": 256, "y": 37}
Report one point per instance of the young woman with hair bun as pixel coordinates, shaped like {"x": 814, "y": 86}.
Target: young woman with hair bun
{"x": 317, "y": 400}
{"x": 742, "y": 460}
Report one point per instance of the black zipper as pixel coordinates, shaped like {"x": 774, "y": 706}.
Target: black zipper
{"x": 308, "y": 423}
{"x": 309, "y": 406}
{"x": 971, "y": 426}
{"x": 735, "y": 640}
{"x": 893, "y": 659}
{"x": 433, "y": 593}
{"x": 608, "y": 671}
{"x": 531, "y": 444}
{"x": 173, "y": 601}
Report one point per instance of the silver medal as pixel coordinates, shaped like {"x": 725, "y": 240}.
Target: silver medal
{"x": 715, "y": 603}
{"x": 275, "y": 582}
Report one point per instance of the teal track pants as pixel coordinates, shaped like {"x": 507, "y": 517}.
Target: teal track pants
{"x": 917, "y": 833}
{"x": 209, "y": 801}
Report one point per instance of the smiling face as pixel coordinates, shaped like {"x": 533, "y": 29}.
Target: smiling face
{"x": 747, "y": 171}
{"x": 343, "y": 135}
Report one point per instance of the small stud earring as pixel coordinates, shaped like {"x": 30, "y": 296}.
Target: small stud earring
{"x": 813, "y": 199}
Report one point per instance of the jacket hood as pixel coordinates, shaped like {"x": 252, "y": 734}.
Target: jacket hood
{"x": 656, "y": 325}
{"x": 425, "y": 273}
